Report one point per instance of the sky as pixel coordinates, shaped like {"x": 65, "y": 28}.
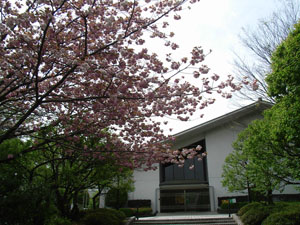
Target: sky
{"x": 216, "y": 25}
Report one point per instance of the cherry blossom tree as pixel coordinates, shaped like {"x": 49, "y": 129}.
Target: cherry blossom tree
{"x": 86, "y": 69}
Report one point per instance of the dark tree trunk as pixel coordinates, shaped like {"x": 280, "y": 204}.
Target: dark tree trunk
{"x": 270, "y": 197}
{"x": 62, "y": 205}
{"x": 94, "y": 199}
{"x": 75, "y": 209}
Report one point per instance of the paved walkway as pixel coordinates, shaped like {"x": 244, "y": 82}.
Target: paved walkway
{"x": 187, "y": 215}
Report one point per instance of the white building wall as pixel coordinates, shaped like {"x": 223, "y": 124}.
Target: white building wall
{"x": 146, "y": 187}
{"x": 218, "y": 146}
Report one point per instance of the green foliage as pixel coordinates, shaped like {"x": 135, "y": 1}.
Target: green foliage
{"x": 271, "y": 145}
{"x": 19, "y": 190}
{"x": 290, "y": 216}
{"x": 287, "y": 214}
{"x": 237, "y": 205}
{"x": 284, "y": 116}
{"x": 83, "y": 199}
{"x": 144, "y": 211}
{"x": 235, "y": 171}
{"x": 252, "y": 165}
{"x": 116, "y": 198}
{"x": 56, "y": 220}
{"x": 99, "y": 218}
{"x": 281, "y": 213}
{"x": 284, "y": 78}
{"x": 248, "y": 207}
{"x": 255, "y": 215}
{"x": 103, "y": 217}
{"x": 129, "y": 212}
{"x": 50, "y": 181}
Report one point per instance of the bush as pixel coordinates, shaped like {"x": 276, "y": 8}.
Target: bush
{"x": 145, "y": 211}
{"x": 129, "y": 212}
{"x": 237, "y": 205}
{"x": 100, "y": 218}
{"x": 116, "y": 198}
{"x": 290, "y": 216}
{"x": 255, "y": 216}
{"x": 59, "y": 221}
{"x": 103, "y": 217}
{"x": 249, "y": 206}
{"x": 281, "y": 213}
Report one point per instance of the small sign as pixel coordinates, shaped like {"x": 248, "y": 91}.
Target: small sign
{"x": 232, "y": 200}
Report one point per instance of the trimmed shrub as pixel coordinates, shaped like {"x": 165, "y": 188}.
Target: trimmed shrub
{"x": 59, "y": 221}
{"x": 281, "y": 213}
{"x": 103, "y": 216}
{"x": 116, "y": 198}
{"x": 255, "y": 216}
{"x": 249, "y": 206}
{"x": 290, "y": 216}
{"x": 100, "y": 218}
{"x": 129, "y": 212}
{"x": 145, "y": 211}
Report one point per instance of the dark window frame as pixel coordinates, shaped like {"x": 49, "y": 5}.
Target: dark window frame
{"x": 203, "y": 168}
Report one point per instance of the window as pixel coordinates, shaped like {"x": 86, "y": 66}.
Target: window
{"x": 171, "y": 173}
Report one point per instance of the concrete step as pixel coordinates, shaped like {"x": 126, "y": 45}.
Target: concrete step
{"x": 204, "y": 221}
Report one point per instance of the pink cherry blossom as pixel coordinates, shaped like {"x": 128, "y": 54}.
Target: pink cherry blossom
{"x": 74, "y": 68}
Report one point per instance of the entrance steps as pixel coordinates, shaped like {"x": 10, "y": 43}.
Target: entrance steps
{"x": 199, "y": 221}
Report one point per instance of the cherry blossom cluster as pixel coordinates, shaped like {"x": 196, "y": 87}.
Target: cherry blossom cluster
{"x": 83, "y": 67}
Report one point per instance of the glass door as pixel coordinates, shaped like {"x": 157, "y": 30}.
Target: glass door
{"x": 197, "y": 200}
{"x": 172, "y": 200}
{"x": 184, "y": 200}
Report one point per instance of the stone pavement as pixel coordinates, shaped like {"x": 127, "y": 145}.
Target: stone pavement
{"x": 185, "y": 215}
{"x": 166, "y": 218}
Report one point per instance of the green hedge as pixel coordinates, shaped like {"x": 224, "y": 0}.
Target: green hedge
{"x": 103, "y": 216}
{"x": 288, "y": 217}
{"x": 145, "y": 211}
{"x": 56, "y": 220}
{"x": 128, "y": 211}
{"x": 282, "y": 213}
{"x": 255, "y": 216}
{"x": 247, "y": 207}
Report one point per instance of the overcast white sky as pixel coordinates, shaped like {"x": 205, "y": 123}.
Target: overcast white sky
{"x": 216, "y": 24}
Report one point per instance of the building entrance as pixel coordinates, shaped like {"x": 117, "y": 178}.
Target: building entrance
{"x": 176, "y": 200}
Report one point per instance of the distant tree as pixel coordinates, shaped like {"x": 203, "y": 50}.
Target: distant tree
{"x": 278, "y": 136}
{"x": 261, "y": 41}
{"x": 259, "y": 167}
{"x": 52, "y": 179}
{"x": 234, "y": 175}
{"x": 112, "y": 176}
{"x": 284, "y": 86}
{"x": 283, "y": 81}
{"x": 70, "y": 172}
{"x": 272, "y": 145}
{"x": 23, "y": 200}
